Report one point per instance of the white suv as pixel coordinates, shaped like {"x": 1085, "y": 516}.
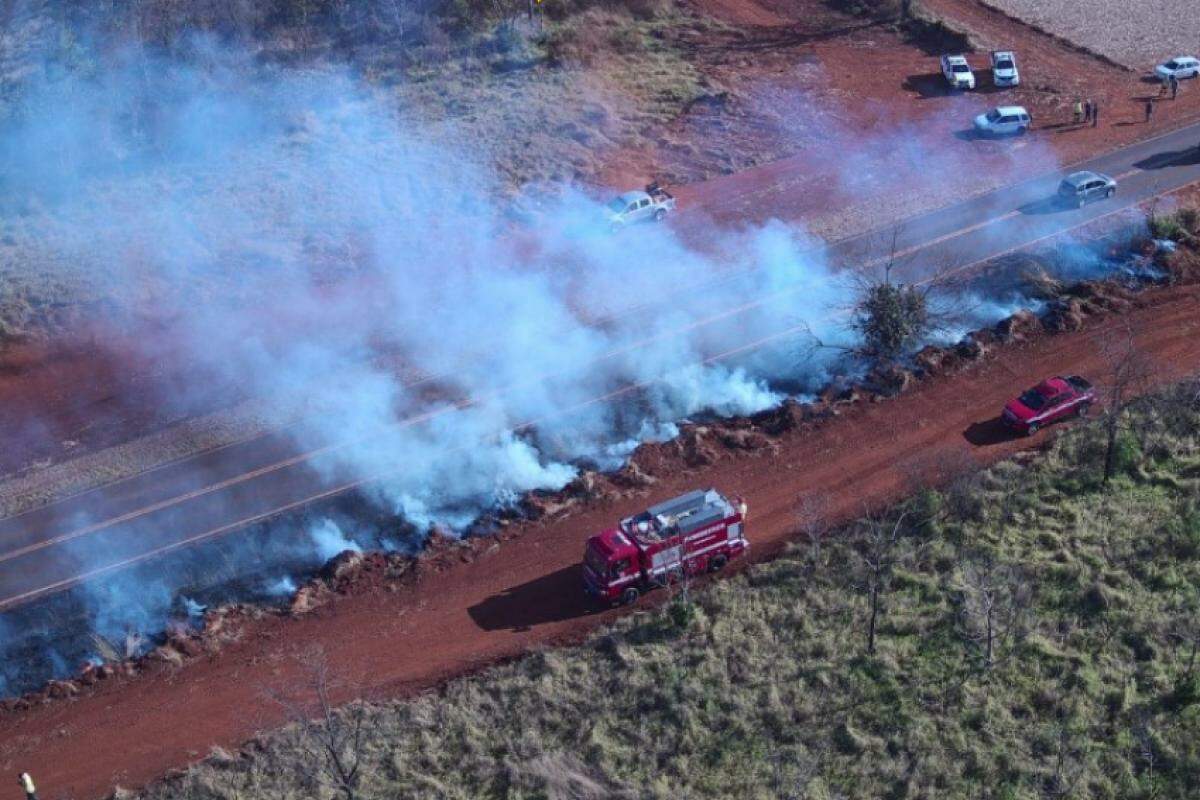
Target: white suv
{"x": 1004, "y": 68}
{"x": 1180, "y": 67}
{"x": 1004, "y": 120}
{"x": 958, "y": 72}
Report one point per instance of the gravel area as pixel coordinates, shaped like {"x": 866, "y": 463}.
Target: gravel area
{"x": 1136, "y": 34}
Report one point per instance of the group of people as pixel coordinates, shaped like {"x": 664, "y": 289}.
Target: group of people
{"x": 1087, "y": 111}
{"x": 1169, "y": 84}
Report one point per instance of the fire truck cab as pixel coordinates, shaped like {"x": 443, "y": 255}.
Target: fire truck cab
{"x": 693, "y": 533}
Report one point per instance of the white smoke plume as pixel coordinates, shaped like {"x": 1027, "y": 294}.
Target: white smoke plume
{"x": 329, "y": 540}
{"x": 299, "y": 235}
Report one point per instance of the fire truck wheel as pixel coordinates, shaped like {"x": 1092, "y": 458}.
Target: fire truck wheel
{"x": 717, "y": 562}
{"x": 1083, "y": 409}
{"x": 629, "y": 596}
{"x": 674, "y": 575}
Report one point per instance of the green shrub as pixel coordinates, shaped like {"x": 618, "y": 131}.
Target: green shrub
{"x": 1186, "y": 692}
{"x": 891, "y": 317}
{"x": 1167, "y": 226}
{"x": 1128, "y": 454}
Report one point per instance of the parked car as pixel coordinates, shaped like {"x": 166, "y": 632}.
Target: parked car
{"x": 1180, "y": 67}
{"x": 652, "y": 204}
{"x": 1004, "y": 68}
{"x": 1051, "y": 400}
{"x": 1080, "y": 188}
{"x": 1004, "y": 120}
{"x": 958, "y": 72}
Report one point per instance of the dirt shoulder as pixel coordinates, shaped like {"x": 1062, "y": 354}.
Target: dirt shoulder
{"x": 471, "y": 606}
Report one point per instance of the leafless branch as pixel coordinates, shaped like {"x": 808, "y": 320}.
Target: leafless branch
{"x": 878, "y": 556}
{"x": 335, "y": 739}
{"x": 992, "y": 603}
{"x": 1127, "y": 375}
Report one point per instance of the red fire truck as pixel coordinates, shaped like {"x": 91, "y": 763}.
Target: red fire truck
{"x": 689, "y": 534}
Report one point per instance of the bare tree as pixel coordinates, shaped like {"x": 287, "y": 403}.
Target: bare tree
{"x": 1068, "y": 762}
{"x": 396, "y": 12}
{"x": 1186, "y": 631}
{"x": 880, "y": 550}
{"x": 791, "y": 774}
{"x": 811, "y": 511}
{"x": 992, "y": 603}
{"x": 335, "y": 740}
{"x": 1128, "y": 374}
{"x": 1143, "y": 732}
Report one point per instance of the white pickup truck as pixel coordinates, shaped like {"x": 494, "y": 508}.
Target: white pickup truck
{"x": 957, "y": 72}
{"x": 653, "y": 203}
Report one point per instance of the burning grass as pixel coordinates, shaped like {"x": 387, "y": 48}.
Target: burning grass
{"x": 761, "y": 685}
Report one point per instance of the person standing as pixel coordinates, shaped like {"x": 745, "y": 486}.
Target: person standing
{"x": 1087, "y": 110}
{"x": 1149, "y": 109}
{"x": 1095, "y": 113}
{"x": 1174, "y": 87}
{"x": 26, "y": 782}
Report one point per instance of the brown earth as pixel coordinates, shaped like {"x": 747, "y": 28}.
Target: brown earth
{"x": 467, "y": 606}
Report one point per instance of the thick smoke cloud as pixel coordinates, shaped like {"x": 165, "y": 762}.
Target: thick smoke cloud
{"x": 298, "y": 234}
{"x": 302, "y": 236}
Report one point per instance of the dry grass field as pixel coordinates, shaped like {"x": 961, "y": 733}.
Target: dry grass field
{"x": 1137, "y": 35}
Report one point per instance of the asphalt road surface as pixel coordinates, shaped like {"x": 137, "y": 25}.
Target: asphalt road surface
{"x": 214, "y": 493}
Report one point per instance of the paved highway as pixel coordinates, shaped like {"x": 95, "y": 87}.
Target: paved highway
{"x": 214, "y": 493}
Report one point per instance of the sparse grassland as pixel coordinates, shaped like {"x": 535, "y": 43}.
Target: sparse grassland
{"x": 1037, "y": 637}
{"x": 564, "y": 97}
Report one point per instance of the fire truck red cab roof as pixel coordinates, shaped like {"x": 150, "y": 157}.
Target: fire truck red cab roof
{"x": 612, "y": 543}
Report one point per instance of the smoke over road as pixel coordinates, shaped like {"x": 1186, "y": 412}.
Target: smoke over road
{"x": 299, "y": 235}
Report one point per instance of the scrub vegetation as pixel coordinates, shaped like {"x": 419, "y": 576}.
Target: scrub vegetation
{"x": 1029, "y": 631}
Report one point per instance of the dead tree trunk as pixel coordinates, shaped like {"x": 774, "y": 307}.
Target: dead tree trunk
{"x": 878, "y": 557}
{"x": 1127, "y": 374}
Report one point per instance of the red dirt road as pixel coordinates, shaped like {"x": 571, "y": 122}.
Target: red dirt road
{"x": 525, "y": 592}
